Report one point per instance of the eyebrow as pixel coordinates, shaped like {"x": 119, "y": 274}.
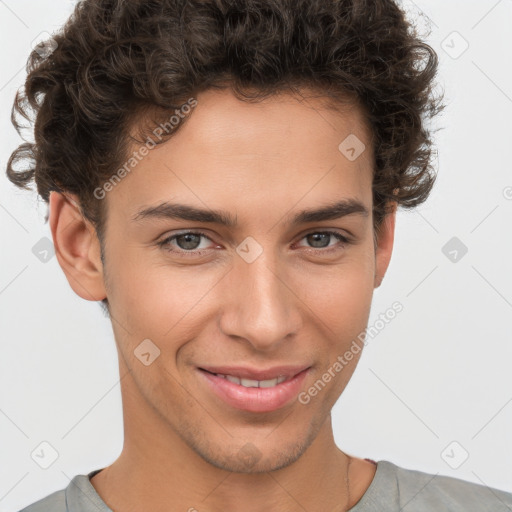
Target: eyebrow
{"x": 168, "y": 210}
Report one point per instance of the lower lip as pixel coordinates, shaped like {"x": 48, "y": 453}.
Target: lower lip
{"x": 255, "y": 399}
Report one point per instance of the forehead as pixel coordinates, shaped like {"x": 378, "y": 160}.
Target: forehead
{"x": 262, "y": 156}
{"x": 285, "y": 125}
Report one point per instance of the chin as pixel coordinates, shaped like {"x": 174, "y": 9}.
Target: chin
{"x": 252, "y": 458}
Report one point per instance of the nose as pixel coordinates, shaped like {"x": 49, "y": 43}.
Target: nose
{"x": 260, "y": 303}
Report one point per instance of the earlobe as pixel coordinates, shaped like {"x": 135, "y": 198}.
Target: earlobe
{"x": 384, "y": 246}
{"x": 77, "y": 247}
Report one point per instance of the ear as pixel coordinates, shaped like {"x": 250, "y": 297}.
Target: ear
{"x": 77, "y": 247}
{"x": 384, "y": 245}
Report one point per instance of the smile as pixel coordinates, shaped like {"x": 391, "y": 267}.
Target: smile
{"x": 250, "y": 383}
{"x": 254, "y": 395}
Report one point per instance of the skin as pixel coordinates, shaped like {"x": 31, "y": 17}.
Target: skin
{"x": 295, "y": 304}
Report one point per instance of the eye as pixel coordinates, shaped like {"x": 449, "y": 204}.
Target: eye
{"x": 187, "y": 243}
{"x": 320, "y": 240}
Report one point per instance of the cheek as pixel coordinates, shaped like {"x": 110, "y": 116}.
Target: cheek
{"x": 340, "y": 295}
{"x": 158, "y": 299}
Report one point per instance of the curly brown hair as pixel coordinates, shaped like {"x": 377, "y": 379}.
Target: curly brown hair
{"x": 115, "y": 60}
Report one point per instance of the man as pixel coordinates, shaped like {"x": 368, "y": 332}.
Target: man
{"x": 224, "y": 177}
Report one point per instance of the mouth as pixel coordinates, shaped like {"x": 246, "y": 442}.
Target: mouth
{"x": 252, "y": 383}
{"x": 255, "y": 390}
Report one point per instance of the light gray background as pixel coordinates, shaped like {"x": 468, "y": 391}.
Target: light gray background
{"x": 438, "y": 373}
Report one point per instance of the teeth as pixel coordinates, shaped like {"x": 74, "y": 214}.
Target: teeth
{"x": 250, "y": 383}
{"x": 268, "y": 383}
{"x": 233, "y": 379}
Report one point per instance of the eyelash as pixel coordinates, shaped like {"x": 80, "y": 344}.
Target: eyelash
{"x": 197, "y": 253}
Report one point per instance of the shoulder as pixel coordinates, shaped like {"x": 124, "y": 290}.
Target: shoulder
{"x": 420, "y": 491}
{"x": 78, "y": 496}
{"x": 55, "y": 502}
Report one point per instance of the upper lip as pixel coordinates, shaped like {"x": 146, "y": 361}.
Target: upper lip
{"x": 243, "y": 372}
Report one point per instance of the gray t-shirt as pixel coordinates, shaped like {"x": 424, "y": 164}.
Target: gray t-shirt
{"x": 392, "y": 489}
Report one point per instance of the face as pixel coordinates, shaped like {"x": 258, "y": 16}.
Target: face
{"x": 274, "y": 292}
